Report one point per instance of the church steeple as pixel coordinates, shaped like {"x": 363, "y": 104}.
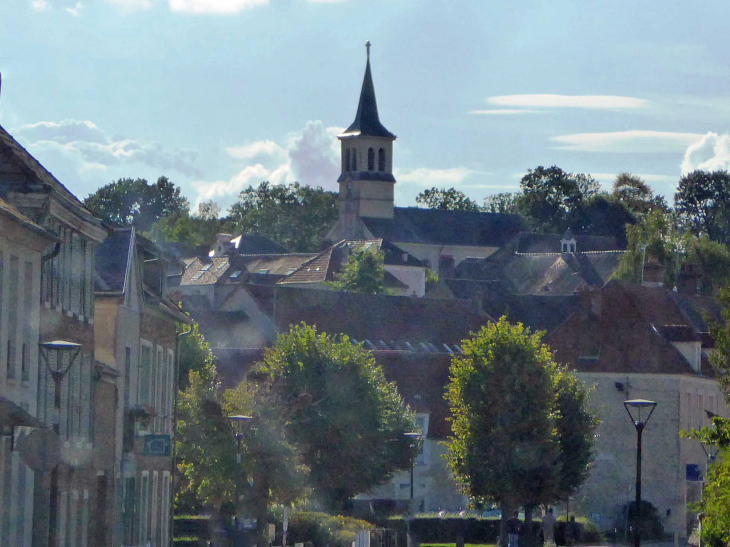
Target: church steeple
{"x": 367, "y": 121}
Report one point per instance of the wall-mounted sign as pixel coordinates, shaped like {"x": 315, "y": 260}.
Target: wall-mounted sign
{"x": 157, "y": 445}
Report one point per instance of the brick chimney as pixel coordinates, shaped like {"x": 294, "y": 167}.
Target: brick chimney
{"x": 689, "y": 278}
{"x": 590, "y": 302}
{"x": 653, "y": 275}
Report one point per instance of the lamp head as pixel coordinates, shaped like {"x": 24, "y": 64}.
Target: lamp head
{"x": 640, "y": 410}
{"x": 239, "y": 422}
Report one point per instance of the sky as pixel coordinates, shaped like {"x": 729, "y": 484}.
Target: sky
{"x": 218, "y": 95}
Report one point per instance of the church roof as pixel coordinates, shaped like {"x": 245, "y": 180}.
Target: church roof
{"x": 367, "y": 121}
{"x": 415, "y": 225}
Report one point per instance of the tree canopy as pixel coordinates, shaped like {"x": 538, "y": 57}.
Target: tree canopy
{"x": 702, "y": 203}
{"x": 135, "y": 202}
{"x": 636, "y": 195}
{"x": 442, "y": 198}
{"x": 522, "y": 433}
{"x": 298, "y": 217}
{"x": 363, "y": 272}
{"x": 345, "y": 418}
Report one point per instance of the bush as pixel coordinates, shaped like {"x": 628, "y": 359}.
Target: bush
{"x": 651, "y": 524}
{"x": 320, "y": 528}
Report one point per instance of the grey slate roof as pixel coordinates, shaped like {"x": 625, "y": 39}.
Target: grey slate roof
{"x": 416, "y": 225}
{"x": 550, "y": 243}
{"x": 111, "y": 261}
{"x": 252, "y": 244}
{"x": 367, "y": 121}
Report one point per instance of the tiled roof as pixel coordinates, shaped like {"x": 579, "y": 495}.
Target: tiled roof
{"x": 318, "y": 269}
{"x": 545, "y": 274}
{"x": 208, "y": 271}
{"x": 624, "y": 332}
{"x": 204, "y": 272}
{"x": 112, "y": 256}
{"x": 11, "y": 150}
{"x": 550, "y": 243}
{"x": 435, "y": 226}
{"x": 392, "y": 319}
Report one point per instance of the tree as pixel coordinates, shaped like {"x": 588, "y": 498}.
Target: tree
{"x": 521, "y": 430}
{"x": 636, "y": 195}
{"x": 657, "y": 236}
{"x": 135, "y": 202}
{"x": 712, "y": 259}
{"x": 702, "y": 203}
{"x": 503, "y": 202}
{"x": 363, "y": 272}
{"x": 451, "y": 199}
{"x": 194, "y": 356}
{"x": 298, "y": 217}
{"x": 600, "y": 215}
{"x": 193, "y": 231}
{"x": 550, "y": 195}
{"x": 346, "y": 419}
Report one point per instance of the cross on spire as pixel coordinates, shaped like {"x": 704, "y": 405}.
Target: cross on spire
{"x": 367, "y": 46}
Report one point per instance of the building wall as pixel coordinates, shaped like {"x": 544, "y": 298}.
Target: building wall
{"x": 415, "y": 278}
{"x": 20, "y": 259}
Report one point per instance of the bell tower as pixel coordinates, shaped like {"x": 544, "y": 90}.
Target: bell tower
{"x": 366, "y": 180}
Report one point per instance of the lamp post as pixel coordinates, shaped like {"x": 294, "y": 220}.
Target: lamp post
{"x": 413, "y": 437}
{"x": 58, "y": 372}
{"x": 635, "y": 409}
{"x": 239, "y": 422}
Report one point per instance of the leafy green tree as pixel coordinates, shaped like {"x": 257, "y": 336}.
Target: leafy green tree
{"x": 363, "y": 272}
{"x": 451, "y": 199}
{"x": 521, "y": 430}
{"x": 345, "y": 418}
{"x": 503, "y": 202}
{"x": 600, "y": 215}
{"x": 195, "y": 356}
{"x": 191, "y": 230}
{"x": 550, "y": 195}
{"x": 298, "y": 217}
{"x": 636, "y": 195}
{"x": 702, "y": 203}
{"x": 656, "y": 236}
{"x": 135, "y": 202}
{"x": 712, "y": 259}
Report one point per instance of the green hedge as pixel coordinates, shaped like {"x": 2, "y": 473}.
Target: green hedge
{"x": 320, "y": 528}
{"x": 430, "y": 528}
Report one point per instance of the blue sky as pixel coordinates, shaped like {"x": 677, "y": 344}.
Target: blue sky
{"x": 220, "y": 94}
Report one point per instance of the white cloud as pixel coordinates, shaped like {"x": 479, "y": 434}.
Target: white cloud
{"x": 214, "y": 6}
{"x": 709, "y": 153}
{"x": 635, "y": 141}
{"x": 310, "y": 156}
{"x": 504, "y": 111}
{"x": 85, "y": 145}
{"x": 131, "y": 5}
{"x": 434, "y": 177}
{"x": 254, "y": 149}
{"x": 568, "y": 101}
{"x": 76, "y": 11}
{"x": 40, "y": 5}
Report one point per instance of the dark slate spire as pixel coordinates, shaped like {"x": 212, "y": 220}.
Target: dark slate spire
{"x": 367, "y": 122}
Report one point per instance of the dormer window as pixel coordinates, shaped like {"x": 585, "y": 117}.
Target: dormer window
{"x": 381, "y": 159}
{"x": 347, "y": 159}
{"x": 371, "y": 159}
{"x": 354, "y": 160}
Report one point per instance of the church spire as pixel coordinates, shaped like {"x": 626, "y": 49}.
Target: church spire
{"x": 367, "y": 121}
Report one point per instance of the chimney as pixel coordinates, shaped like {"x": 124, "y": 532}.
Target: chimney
{"x": 653, "y": 274}
{"x": 478, "y": 301}
{"x": 590, "y": 300}
{"x": 447, "y": 267}
{"x": 222, "y": 245}
{"x": 688, "y": 280}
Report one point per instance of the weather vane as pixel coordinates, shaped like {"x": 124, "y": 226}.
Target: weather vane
{"x": 367, "y": 46}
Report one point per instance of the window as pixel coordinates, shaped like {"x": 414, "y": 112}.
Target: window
{"x": 199, "y": 275}
{"x": 153, "y": 524}
{"x": 236, "y": 274}
{"x": 144, "y": 499}
{"x": 12, "y": 316}
{"x": 354, "y": 160}
{"x": 264, "y": 271}
{"x": 381, "y": 159}
{"x": 371, "y": 159}
{"x": 347, "y": 159}
{"x": 27, "y": 322}
{"x": 127, "y": 374}
{"x": 145, "y": 365}
{"x": 165, "y": 516}
{"x": 206, "y": 268}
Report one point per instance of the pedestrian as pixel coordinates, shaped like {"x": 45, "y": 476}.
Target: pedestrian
{"x": 514, "y": 527}
{"x": 571, "y": 532}
{"x": 548, "y": 527}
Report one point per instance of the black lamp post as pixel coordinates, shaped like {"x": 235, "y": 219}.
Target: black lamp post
{"x": 413, "y": 437}
{"x": 635, "y": 408}
{"x": 239, "y": 422}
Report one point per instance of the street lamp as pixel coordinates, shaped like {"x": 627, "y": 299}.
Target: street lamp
{"x": 635, "y": 409}
{"x": 239, "y": 422}
{"x": 57, "y": 370}
{"x": 413, "y": 437}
